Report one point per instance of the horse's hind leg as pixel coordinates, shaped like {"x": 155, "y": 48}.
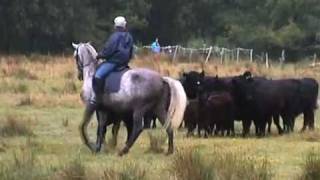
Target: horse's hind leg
{"x": 138, "y": 115}
{"x": 162, "y": 116}
{"x": 115, "y": 131}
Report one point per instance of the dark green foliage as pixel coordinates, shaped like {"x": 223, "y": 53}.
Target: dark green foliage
{"x": 265, "y": 25}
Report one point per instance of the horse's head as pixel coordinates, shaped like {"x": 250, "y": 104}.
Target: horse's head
{"x": 85, "y": 56}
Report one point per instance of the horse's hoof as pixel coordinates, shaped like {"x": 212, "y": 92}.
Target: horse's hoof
{"x": 123, "y": 152}
{"x": 170, "y": 151}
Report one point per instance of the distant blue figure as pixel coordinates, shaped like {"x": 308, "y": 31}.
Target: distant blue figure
{"x": 155, "y": 46}
{"x": 117, "y": 52}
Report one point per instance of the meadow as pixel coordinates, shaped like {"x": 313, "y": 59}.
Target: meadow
{"x": 40, "y": 110}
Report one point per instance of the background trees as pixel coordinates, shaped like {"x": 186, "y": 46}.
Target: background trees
{"x": 264, "y": 25}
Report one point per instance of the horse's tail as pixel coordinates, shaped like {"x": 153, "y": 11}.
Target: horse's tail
{"x": 178, "y": 103}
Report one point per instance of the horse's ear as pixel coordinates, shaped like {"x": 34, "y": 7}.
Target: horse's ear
{"x": 74, "y": 45}
{"x": 89, "y": 42}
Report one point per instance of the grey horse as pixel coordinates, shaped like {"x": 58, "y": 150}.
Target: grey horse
{"x": 141, "y": 91}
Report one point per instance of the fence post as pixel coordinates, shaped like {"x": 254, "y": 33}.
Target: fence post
{"x": 282, "y": 58}
{"x": 221, "y": 53}
{"x": 190, "y": 55}
{"x": 314, "y": 59}
{"x": 175, "y": 53}
{"x": 251, "y": 54}
{"x": 267, "y": 61}
{"x": 209, "y": 53}
{"x": 238, "y": 51}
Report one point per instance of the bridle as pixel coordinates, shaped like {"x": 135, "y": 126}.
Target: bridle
{"x": 79, "y": 63}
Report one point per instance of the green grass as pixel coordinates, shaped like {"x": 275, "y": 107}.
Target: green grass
{"x": 50, "y": 107}
{"x": 311, "y": 166}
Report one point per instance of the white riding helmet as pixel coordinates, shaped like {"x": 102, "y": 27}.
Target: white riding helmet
{"x": 120, "y": 21}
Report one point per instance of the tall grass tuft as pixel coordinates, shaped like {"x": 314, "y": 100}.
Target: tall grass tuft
{"x": 311, "y": 166}
{"x": 24, "y": 74}
{"x": 74, "y": 170}
{"x": 311, "y": 136}
{"x": 15, "y": 127}
{"x": 22, "y": 165}
{"x": 65, "y": 122}
{"x": 131, "y": 171}
{"x": 190, "y": 165}
{"x": 157, "y": 140}
{"x": 26, "y": 101}
{"x": 70, "y": 87}
{"x": 237, "y": 165}
{"x": 21, "y": 88}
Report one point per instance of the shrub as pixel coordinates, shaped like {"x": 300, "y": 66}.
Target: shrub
{"x": 15, "y": 127}
{"x": 311, "y": 166}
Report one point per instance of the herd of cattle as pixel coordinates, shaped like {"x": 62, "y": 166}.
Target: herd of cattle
{"x": 216, "y": 102}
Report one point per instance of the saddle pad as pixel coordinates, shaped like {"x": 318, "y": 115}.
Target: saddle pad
{"x": 113, "y": 80}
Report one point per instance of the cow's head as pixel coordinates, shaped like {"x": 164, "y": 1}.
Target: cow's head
{"x": 243, "y": 86}
{"x": 192, "y": 82}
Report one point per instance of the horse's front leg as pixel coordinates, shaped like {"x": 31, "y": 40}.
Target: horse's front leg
{"x": 101, "y": 131}
{"x": 136, "y": 130}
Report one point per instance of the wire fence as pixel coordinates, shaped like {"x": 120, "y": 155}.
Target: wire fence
{"x": 220, "y": 54}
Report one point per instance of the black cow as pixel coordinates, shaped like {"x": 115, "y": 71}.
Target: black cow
{"x": 217, "y": 110}
{"x": 308, "y": 96}
{"x": 285, "y": 97}
{"x": 191, "y": 116}
{"x": 194, "y": 81}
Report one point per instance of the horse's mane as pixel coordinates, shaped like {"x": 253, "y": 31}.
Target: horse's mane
{"x": 92, "y": 51}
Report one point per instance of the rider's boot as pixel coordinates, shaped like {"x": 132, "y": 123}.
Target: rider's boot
{"x": 98, "y": 86}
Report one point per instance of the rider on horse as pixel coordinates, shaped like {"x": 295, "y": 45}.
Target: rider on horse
{"x": 117, "y": 53}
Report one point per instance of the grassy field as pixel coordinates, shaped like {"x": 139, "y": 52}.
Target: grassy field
{"x": 40, "y": 111}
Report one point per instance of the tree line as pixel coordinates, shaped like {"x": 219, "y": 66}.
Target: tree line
{"x": 264, "y": 25}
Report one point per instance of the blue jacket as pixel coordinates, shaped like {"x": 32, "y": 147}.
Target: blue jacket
{"x": 118, "y": 49}
{"x": 155, "y": 47}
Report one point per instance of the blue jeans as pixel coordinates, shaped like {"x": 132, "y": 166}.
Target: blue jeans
{"x": 104, "y": 70}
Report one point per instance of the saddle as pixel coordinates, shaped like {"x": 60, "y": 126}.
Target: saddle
{"x": 113, "y": 80}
